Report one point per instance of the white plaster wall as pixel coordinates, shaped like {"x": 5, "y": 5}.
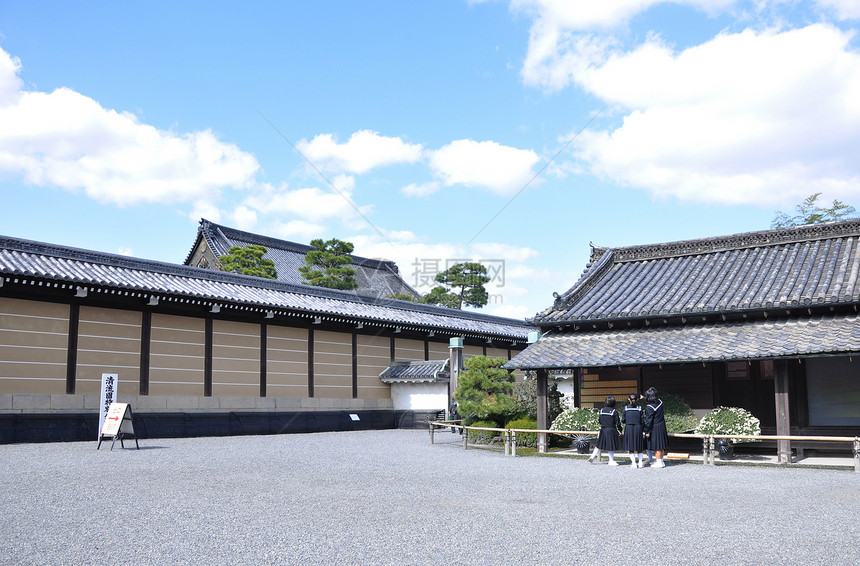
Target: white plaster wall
{"x": 566, "y": 386}
{"x": 420, "y": 396}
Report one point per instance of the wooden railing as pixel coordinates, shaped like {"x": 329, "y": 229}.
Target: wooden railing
{"x": 709, "y": 441}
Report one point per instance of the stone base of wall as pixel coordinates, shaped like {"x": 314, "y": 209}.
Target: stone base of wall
{"x": 83, "y": 427}
{"x": 31, "y": 403}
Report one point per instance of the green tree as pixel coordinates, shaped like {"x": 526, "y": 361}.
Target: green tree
{"x": 249, "y": 260}
{"x": 469, "y": 278}
{"x": 484, "y": 390}
{"x": 525, "y": 394}
{"x": 328, "y": 265}
{"x": 441, "y": 296}
{"x": 809, "y": 212}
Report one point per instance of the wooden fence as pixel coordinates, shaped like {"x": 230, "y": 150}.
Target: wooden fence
{"x": 709, "y": 441}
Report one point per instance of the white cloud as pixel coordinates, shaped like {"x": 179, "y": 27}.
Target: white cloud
{"x": 567, "y": 36}
{"x": 845, "y": 9}
{"x": 10, "y": 82}
{"x": 421, "y": 189}
{"x": 68, "y": 140}
{"x": 518, "y": 312}
{"x": 299, "y": 231}
{"x": 364, "y": 151}
{"x": 311, "y": 204}
{"x": 344, "y": 183}
{"x": 123, "y": 250}
{"x": 204, "y": 208}
{"x": 767, "y": 117}
{"x": 508, "y": 252}
{"x": 501, "y": 169}
{"x": 244, "y": 218}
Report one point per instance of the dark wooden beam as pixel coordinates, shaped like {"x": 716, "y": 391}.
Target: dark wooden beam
{"x": 783, "y": 423}
{"x": 354, "y": 365}
{"x": 145, "y": 348}
{"x": 541, "y": 410}
{"x": 264, "y": 347}
{"x": 72, "y": 349}
{"x": 310, "y": 362}
{"x": 207, "y": 357}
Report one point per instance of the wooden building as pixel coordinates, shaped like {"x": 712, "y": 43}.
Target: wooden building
{"x": 767, "y": 321}
{"x": 200, "y": 351}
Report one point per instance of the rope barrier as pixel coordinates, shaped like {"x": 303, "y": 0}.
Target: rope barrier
{"x": 709, "y": 449}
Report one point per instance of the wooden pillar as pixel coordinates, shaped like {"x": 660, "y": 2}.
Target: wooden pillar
{"x": 264, "y": 356}
{"x": 145, "y": 350}
{"x": 208, "y": 332}
{"x": 72, "y": 348}
{"x": 783, "y": 424}
{"x": 455, "y": 365}
{"x": 541, "y": 410}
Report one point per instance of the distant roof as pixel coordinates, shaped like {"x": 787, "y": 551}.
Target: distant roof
{"x": 416, "y": 372}
{"x": 35, "y": 263}
{"x": 372, "y": 275}
{"x": 807, "y": 266}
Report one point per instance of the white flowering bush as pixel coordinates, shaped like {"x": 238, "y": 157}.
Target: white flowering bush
{"x": 730, "y": 420}
{"x": 584, "y": 418}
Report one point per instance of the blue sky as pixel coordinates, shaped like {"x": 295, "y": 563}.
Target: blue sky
{"x": 426, "y": 132}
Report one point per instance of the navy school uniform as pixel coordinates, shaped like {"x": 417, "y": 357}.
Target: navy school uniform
{"x": 634, "y": 429}
{"x": 655, "y": 424}
{"x": 610, "y": 429}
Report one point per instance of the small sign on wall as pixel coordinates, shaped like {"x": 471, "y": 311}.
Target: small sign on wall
{"x": 737, "y": 371}
{"x": 110, "y": 381}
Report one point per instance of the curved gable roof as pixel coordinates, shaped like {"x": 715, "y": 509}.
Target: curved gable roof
{"x": 806, "y": 266}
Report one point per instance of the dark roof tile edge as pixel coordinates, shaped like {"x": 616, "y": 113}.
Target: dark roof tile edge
{"x": 762, "y": 238}
{"x": 153, "y": 266}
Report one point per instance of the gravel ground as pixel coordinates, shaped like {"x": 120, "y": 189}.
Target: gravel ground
{"x": 386, "y": 497}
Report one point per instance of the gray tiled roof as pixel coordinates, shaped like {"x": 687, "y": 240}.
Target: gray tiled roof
{"x": 703, "y": 343}
{"x": 371, "y": 275}
{"x": 816, "y": 265}
{"x": 415, "y": 372}
{"x": 23, "y": 260}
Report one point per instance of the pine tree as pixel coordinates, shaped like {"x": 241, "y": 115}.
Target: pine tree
{"x": 249, "y": 260}
{"x": 469, "y": 278}
{"x": 327, "y": 265}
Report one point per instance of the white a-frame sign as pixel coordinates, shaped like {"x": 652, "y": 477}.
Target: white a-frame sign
{"x": 118, "y": 423}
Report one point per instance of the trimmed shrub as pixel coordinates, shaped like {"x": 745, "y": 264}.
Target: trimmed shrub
{"x": 525, "y": 438}
{"x": 679, "y": 416}
{"x": 483, "y": 436}
{"x": 485, "y": 388}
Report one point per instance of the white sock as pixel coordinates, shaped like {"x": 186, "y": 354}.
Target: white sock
{"x": 595, "y": 454}
{"x": 611, "y": 456}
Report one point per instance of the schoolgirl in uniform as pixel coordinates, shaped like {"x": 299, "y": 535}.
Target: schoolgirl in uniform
{"x": 657, "y": 437}
{"x": 633, "y": 418}
{"x": 610, "y": 429}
